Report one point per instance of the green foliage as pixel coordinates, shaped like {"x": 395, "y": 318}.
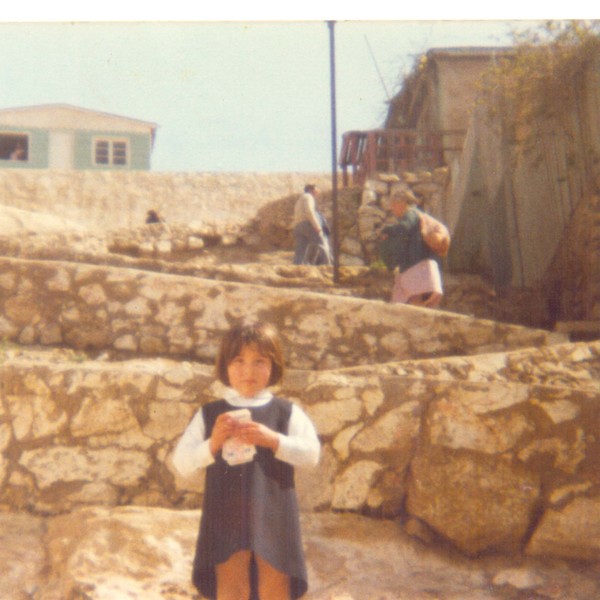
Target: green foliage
{"x": 408, "y": 85}
{"x": 542, "y": 78}
{"x": 378, "y": 265}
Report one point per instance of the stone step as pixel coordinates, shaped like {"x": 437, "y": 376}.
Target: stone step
{"x": 573, "y": 365}
{"x": 144, "y": 313}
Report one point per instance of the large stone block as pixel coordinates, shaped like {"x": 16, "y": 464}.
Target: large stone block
{"x": 571, "y": 532}
{"x": 478, "y": 502}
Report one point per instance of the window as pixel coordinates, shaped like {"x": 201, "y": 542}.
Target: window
{"x": 119, "y": 153}
{"x": 14, "y": 146}
{"x": 102, "y": 152}
{"x": 111, "y": 152}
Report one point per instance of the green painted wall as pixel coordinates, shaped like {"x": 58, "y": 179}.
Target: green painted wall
{"x": 140, "y": 149}
{"x": 37, "y": 157}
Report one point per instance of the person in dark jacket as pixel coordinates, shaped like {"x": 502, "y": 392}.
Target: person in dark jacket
{"x": 417, "y": 277}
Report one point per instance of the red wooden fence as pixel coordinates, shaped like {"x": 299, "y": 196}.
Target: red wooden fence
{"x": 389, "y": 151}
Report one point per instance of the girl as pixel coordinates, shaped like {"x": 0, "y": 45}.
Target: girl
{"x": 249, "y": 539}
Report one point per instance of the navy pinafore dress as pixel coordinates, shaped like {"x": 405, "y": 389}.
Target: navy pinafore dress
{"x": 252, "y": 506}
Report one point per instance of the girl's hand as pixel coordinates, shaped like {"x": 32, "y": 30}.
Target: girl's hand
{"x": 258, "y": 435}
{"x": 225, "y": 426}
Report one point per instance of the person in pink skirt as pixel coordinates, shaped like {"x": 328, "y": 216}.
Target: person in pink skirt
{"x": 417, "y": 277}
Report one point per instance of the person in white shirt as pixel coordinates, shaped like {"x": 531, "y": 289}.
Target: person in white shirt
{"x": 308, "y": 226}
{"x": 249, "y": 443}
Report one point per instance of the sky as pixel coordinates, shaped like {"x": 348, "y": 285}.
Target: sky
{"x": 229, "y": 95}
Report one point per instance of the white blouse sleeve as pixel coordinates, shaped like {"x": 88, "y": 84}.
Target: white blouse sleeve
{"x": 301, "y": 447}
{"x": 192, "y": 451}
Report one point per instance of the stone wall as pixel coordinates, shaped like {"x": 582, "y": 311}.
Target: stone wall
{"x": 111, "y": 200}
{"x": 494, "y": 452}
{"x": 523, "y": 207}
{"x": 254, "y": 207}
{"x": 572, "y": 284}
{"x": 491, "y": 452}
{"x": 429, "y": 188}
{"x": 497, "y": 465}
{"x": 99, "y": 308}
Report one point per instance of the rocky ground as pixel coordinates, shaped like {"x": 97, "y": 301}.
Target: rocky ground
{"x": 123, "y": 553}
{"x": 132, "y": 552}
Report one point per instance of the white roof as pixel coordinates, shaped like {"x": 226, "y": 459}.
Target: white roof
{"x": 65, "y": 116}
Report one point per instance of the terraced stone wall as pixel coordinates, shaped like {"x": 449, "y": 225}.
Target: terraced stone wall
{"x": 138, "y": 313}
{"x": 488, "y": 465}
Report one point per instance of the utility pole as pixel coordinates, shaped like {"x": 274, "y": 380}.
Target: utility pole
{"x": 334, "y": 190}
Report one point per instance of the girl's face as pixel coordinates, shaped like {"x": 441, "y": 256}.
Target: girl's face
{"x": 249, "y": 372}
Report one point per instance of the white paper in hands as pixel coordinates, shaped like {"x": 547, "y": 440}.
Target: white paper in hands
{"x": 236, "y": 452}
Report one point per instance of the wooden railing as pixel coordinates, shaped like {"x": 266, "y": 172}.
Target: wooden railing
{"x": 365, "y": 153}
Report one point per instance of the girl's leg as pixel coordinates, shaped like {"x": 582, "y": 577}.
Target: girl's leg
{"x": 233, "y": 577}
{"x": 272, "y": 584}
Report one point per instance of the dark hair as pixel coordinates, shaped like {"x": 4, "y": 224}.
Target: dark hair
{"x": 264, "y": 337}
{"x": 152, "y": 217}
{"x": 309, "y": 188}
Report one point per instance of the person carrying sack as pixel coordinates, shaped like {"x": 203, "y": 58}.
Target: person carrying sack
{"x": 412, "y": 248}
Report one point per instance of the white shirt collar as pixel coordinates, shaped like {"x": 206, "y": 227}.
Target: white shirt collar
{"x": 260, "y": 399}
